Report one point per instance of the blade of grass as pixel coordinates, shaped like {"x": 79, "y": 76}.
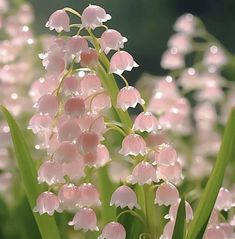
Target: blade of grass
{"x": 179, "y": 228}
{"x": 208, "y": 198}
{"x": 46, "y": 224}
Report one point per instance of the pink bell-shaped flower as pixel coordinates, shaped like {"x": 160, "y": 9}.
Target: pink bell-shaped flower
{"x": 76, "y": 45}
{"x": 143, "y": 173}
{"x": 51, "y": 173}
{"x": 93, "y": 16}
{"x": 48, "y": 104}
{"x": 102, "y": 155}
{"x": 88, "y": 141}
{"x": 133, "y": 144}
{"x": 127, "y": 97}
{"x": 74, "y": 170}
{"x": 74, "y": 107}
{"x": 111, "y": 40}
{"x": 166, "y": 156}
{"x": 68, "y": 196}
{"x": 54, "y": 62}
{"x": 180, "y": 41}
{"x": 124, "y": 196}
{"x": 214, "y": 232}
{"x": 90, "y": 159}
{"x": 66, "y": 152}
{"x": 145, "y": 121}
{"x": 69, "y": 130}
{"x": 185, "y": 23}
{"x": 92, "y": 122}
{"x": 89, "y": 58}
{"x": 100, "y": 102}
{"x": 113, "y": 230}
{"x": 90, "y": 84}
{"x": 214, "y": 57}
{"x": 47, "y": 202}
{"x": 85, "y": 219}
{"x": 59, "y": 20}
{"x": 70, "y": 85}
{"x": 88, "y": 195}
{"x": 171, "y": 173}
{"x": 167, "y": 194}
{"x": 121, "y": 61}
{"x": 172, "y": 59}
{"x": 40, "y": 123}
{"x": 224, "y": 200}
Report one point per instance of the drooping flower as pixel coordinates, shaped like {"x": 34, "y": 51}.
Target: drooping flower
{"x": 224, "y": 200}
{"x": 166, "y": 156}
{"x": 128, "y": 97}
{"x": 85, "y": 219}
{"x": 76, "y": 45}
{"x": 121, "y": 61}
{"x": 47, "y": 202}
{"x": 185, "y": 23}
{"x": 51, "y": 173}
{"x": 181, "y": 42}
{"x": 90, "y": 84}
{"x": 66, "y": 152}
{"x": 124, "y": 196}
{"x": 59, "y": 20}
{"x": 113, "y": 230}
{"x": 88, "y": 142}
{"x": 111, "y": 40}
{"x": 74, "y": 170}
{"x": 69, "y": 130}
{"x": 133, "y": 144}
{"x": 75, "y": 107}
{"x": 88, "y": 195}
{"x": 68, "y": 196}
{"x": 48, "y": 104}
{"x": 172, "y": 59}
{"x": 40, "y": 123}
{"x": 143, "y": 173}
{"x": 93, "y": 16}
{"x": 145, "y": 121}
{"x": 70, "y": 85}
{"x": 214, "y": 57}
{"x": 170, "y": 173}
{"x": 167, "y": 194}
{"x": 89, "y": 58}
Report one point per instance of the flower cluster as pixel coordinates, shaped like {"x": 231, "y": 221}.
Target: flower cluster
{"x": 16, "y": 73}
{"x": 194, "y": 100}
{"x": 75, "y": 102}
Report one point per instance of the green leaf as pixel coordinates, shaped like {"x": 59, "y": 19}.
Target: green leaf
{"x": 46, "y": 224}
{"x": 179, "y": 228}
{"x": 208, "y": 198}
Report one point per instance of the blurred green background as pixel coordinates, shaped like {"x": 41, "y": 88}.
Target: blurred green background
{"x": 148, "y": 23}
